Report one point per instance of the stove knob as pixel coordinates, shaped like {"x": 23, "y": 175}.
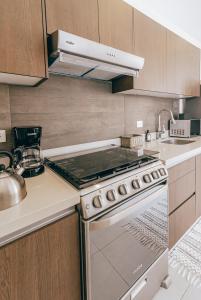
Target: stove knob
{"x": 147, "y": 178}
{"x": 122, "y": 190}
{"x": 111, "y": 195}
{"x": 97, "y": 202}
{"x": 162, "y": 171}
{"x": 136, "y": 184}
{"x": 155, "y": 175}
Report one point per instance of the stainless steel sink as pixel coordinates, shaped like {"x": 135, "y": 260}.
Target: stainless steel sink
{"x": 177, "y": 142}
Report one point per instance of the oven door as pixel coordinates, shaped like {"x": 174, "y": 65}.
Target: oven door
{"x": 121, "y": 245}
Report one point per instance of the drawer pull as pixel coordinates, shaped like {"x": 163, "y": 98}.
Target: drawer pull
{"x": 138, "y": 289}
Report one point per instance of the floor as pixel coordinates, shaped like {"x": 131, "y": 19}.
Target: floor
{"x": 180, "y": 289}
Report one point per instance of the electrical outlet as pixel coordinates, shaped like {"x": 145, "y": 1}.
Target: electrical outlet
{"x": 2, "y": 136}
{"x": 139, "y": 124}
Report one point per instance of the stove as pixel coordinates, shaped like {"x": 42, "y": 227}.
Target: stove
{"x": 89, "y": 169}
{"x": 123, "y": 214}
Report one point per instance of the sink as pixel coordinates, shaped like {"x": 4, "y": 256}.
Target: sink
{"x": 178, "y": 142}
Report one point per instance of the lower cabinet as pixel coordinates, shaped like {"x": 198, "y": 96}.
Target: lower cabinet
{"x": 181, "y": 219}
{"x": 44, "y": 265}
{"x": 182, "y": 198}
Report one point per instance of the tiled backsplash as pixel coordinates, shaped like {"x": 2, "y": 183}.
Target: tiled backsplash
{"x": 5, "y": 116}
{"x": 73, "y": 111}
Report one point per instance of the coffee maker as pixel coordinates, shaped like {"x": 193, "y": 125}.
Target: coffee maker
{"x": 27, "y": 150}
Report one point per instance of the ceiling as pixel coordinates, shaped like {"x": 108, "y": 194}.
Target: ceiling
{"x": 181, "y": 16}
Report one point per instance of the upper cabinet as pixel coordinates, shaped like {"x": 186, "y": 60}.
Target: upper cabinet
{"x": 150, "y": 43}
{"x": 172, "y": 65}
{"x": 22, "y": 44}
{"x": 79, "y": 17}
{"x": 116, "y": 24}
{"x": 182, "y": 66}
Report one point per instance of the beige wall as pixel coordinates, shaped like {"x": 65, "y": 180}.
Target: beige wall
{"x": 73, "y": 111}
{"x": 193, "y": 108}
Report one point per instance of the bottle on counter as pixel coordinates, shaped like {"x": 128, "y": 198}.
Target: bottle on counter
{"x": 147, "y": 136}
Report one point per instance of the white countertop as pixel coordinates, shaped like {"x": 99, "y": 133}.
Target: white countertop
{"x": 48, "y": 198}
{"x": 172, "y": 154}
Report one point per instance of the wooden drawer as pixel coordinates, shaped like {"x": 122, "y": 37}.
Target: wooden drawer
{"x": 181, "y": 189}
{"x": 181, "y": 219}
{"x": 181, "y": 169}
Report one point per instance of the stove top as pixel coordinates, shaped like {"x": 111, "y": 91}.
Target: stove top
{"x": 88, "y": 169}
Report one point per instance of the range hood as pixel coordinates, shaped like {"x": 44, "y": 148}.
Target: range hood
{"x": 72, "y": 55}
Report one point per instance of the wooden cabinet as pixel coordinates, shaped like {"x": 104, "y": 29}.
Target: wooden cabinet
{"x": 43, "y": 265}
{"x": 181, "y": 219}
{"x": 182, "y": 66}
{"x": 181, "y": 190}
{"x": 182, "y": 199}
{"x": 22, "y": 44}
{"x": 150, "y": 43}
{"x": 116, "y": 24}
{"x": 75, "y": 16}
{"x": 172, "y": 65}
{"x": 181, "y": 183}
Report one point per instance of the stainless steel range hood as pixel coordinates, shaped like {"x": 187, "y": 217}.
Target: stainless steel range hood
{"x": 72, "y": 55}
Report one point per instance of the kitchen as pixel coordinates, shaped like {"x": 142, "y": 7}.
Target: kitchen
{"x": 57, "y": 242}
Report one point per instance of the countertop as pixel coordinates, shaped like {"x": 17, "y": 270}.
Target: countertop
{"x": 48, "y": 198}
{"x": 172, "y": 155}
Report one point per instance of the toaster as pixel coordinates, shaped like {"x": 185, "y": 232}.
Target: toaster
{"x": 185, "y": 128}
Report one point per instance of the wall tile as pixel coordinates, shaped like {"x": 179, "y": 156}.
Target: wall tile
{"x": 145, "y": 108}
{"x": 5, "y": 117}
{"x": 73, "y": 111}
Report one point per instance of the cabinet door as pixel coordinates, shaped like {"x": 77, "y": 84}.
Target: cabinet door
{"x": 180, "y": 220}
{"x": 75, "y": 16}
{"x": 183, "y": 66}
{"x": 22, "y": 38}
{"x": 181, "y": 190}
{"x": 150, "y": 43}
{"x": 43, "y": 265}
{"x": 171, "y": 65}
{"x": 116, "y": 24}
{"x": 192, "y": 71}
{"x": 181, "y": 183}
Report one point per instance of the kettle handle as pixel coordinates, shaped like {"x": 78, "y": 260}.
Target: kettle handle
{"x": 9, "y": 155}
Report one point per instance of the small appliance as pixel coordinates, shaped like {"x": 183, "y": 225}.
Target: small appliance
{"x": 185, "y": 128}
{"x": 28, "y": 151}
{"x": 12, "y": 184}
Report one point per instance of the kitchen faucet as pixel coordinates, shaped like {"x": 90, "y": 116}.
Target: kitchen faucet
{"x": 161, "y": 131}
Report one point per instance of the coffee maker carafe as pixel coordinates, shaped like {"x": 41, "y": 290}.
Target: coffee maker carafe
{"x": 27, "y": 150}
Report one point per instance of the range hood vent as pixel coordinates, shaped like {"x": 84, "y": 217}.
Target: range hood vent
{"x": 72, "y": 55}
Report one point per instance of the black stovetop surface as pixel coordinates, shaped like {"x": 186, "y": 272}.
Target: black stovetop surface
{"x": 88, "y": 169}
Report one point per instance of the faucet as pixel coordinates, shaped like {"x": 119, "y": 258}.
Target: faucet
{"x": 161, "y": 131}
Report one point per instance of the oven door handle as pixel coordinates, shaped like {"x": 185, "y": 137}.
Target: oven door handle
{"x": 106, "y": 222}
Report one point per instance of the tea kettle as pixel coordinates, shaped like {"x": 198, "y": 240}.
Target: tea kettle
{"x": 12, "y": 184}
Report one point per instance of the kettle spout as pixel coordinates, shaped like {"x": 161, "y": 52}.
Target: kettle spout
{"x": 19, "y": 171}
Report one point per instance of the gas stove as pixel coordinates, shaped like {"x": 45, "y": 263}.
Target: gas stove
{"x": 106, "y": 178}
{"x": 123, "y": 214}
{"x": 89, "y": 169}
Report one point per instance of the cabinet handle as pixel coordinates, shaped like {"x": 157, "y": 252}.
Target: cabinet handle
{"x": 138, "y": 289}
